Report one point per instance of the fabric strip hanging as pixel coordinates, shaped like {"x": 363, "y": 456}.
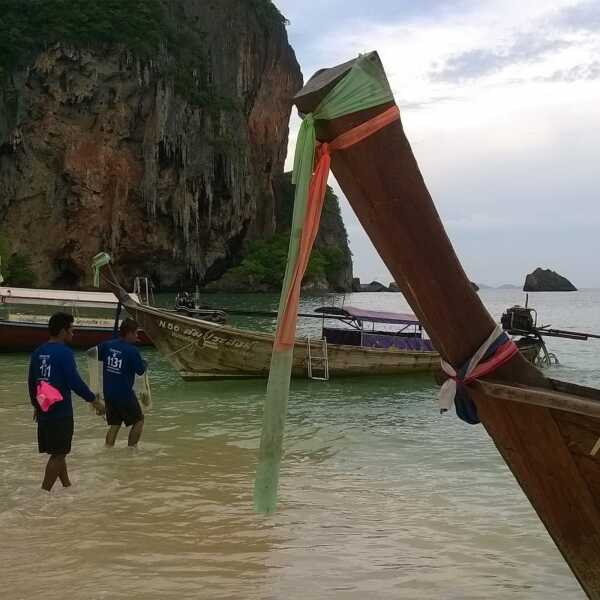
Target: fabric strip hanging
{"x": 363, "y": 87}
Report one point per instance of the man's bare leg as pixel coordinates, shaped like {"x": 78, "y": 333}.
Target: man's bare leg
{"x": 111, "y": 435}
{"x": 55, "y": 467}
{"x": 63, "y": 474}
{"x": 135, "y": 433}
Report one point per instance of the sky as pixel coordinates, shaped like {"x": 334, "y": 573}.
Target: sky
{"x": 500, "y": 101}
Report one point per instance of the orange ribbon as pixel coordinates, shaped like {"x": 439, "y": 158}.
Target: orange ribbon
{"x": 286, "y": 331}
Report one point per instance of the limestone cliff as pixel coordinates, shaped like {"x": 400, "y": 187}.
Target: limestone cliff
{"x": 155, "y": 136}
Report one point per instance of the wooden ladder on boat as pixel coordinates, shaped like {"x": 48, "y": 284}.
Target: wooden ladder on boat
{"x": 319, "y": 360}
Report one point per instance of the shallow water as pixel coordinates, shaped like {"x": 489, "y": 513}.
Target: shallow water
{"x": 381, "y": 497}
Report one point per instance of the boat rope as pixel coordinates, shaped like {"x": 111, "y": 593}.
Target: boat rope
{"x": 194, "y": 343}
{"x": 496, "y": 351}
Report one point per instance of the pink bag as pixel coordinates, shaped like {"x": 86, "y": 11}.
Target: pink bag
{"x": 47, "y": 395}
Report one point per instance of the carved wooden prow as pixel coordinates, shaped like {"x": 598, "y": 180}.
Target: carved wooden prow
{"x": 546, "y": 437}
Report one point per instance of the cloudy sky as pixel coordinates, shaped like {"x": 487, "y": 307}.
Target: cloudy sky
{"x": 500, "y": 100}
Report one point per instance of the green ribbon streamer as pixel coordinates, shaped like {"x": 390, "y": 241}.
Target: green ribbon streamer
{"x": 363, "y": 87}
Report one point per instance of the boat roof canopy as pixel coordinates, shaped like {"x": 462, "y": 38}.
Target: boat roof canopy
{"x": 14, "y": 295}
{"x": 373, "y": 316}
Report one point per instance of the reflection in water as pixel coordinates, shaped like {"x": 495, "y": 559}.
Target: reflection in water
{"x": 381, "y": 497}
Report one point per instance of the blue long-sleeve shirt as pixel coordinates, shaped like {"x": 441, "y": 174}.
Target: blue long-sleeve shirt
{"x": 55, "y": 363}
{"x": 121, "y": 362}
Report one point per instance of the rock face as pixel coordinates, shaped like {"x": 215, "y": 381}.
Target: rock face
{"x": 262, "y": 269}
{"x": 332, "y": 238}
{"x": 374, "y": 286}
{"x": 545, "y": 280}
{"x": 168, "y": 165}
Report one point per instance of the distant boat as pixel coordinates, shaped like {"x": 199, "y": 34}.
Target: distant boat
{"x": 189, "y": 305}
{"x": 23, "y": 332}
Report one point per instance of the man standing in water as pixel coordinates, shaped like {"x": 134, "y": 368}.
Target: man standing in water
{"x": 53, "y": 364}
{"x": 121, "y": 362}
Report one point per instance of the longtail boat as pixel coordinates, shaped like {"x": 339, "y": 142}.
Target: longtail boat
{"x": 547, "y": 431}
{"x": 25, "y": 331}
{"x": 199, "y": 349}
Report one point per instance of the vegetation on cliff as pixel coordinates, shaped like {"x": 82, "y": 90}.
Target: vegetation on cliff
{"x": 264, "y": 261}
{"x": 15, "y": 268}
{"x": 145, "y": 27}
{"x": 331, "y": 250}
{"x": 28, "y": 26}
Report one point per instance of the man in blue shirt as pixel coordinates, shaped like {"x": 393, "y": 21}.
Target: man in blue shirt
{"x": 54, "y": 364}
{"x": 121, "y": 362}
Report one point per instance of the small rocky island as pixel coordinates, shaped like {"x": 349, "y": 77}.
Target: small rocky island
{"x": 374, "y": 286}
{"x": 546, "y": 280}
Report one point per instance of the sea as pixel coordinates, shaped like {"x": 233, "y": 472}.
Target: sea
{"x": 381, "y": 497}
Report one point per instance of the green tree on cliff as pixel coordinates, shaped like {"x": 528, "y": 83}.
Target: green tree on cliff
{"x": 14, "y": 267}
{"x": 143, "y": 26}
{"x": 266, "y": 260}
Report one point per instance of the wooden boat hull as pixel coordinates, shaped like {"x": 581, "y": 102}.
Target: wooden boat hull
{"x": 551, "y": 442}
{"x": 203, "y": 350}
{"x": 18, "y": 336}
{"x": 548, "y": 432}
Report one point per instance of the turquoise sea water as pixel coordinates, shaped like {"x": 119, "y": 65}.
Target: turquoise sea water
{"x": 381, "y": 497}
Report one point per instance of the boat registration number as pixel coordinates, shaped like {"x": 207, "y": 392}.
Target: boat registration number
{"x": 208, "y": 338}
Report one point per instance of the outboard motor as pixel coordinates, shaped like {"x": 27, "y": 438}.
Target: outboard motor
{"x": 519, "y": 320}
{"x": 522, "y": 321}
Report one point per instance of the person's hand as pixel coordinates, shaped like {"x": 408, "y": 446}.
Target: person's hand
{"x": 99, "y": 406}
{"x": 36, "y": 414}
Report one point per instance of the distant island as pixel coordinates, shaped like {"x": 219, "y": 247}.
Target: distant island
{"x": 546, "y": 280}
{"x": 376, "y": 286}
{"x": 504, "y": 286}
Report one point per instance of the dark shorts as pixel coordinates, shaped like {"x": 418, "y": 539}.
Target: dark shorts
{"x": 128, "y": 412}
{"x": 55, "y": 435}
